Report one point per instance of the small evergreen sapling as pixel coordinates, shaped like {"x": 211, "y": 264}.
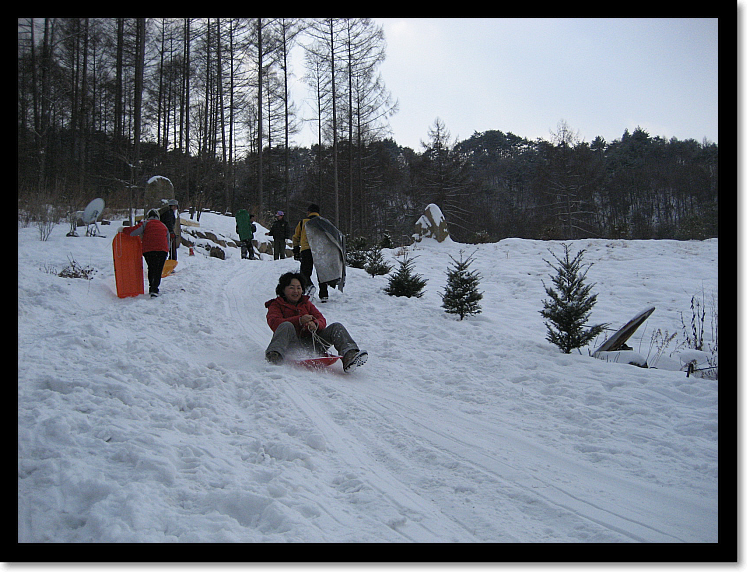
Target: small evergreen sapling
{"x": 375, "y": 263}
{"x": 404, "y": 282}
{"x": 355, "y": 252}
{"x": 570, "y": 304}
{"x": 386, "y": 242}
{"x": 461, "y": 294}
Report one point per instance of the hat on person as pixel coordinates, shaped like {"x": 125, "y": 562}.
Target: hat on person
{"x": 313, "y": 208}
{"x": 279, "y": 214}
{"x": 173, "y": 202}
{"x": 153, "y": 214}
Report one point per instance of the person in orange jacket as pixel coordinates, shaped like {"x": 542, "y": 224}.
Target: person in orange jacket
{"x": 155, "y": 237}
{"x": 293, "y": 319}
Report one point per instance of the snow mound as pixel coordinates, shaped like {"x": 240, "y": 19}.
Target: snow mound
{"x": 158, "y": 420}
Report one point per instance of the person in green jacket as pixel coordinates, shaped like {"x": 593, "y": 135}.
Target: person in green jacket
{"x": 245, "y": 228}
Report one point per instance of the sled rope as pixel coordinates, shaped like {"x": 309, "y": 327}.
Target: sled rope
{"x": 316, "y": 339}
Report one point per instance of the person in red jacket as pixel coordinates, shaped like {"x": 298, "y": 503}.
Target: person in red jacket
{"x": 155, "y": 247}
{"x": 293, "y": 318}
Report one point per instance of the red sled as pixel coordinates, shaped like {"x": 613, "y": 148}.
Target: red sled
{"x": 128, "y": 265}
{"x": 318, "y": 362}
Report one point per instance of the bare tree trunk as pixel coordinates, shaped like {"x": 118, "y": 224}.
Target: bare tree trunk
{"x": 138, "y": 104}
{"x": 84, "y": 111}
{"x": 219, "y": 80}
{"x": 350, "y": 128}
{"x": 334, "y": 125}
{"x": 259, "y": 114}
{"x": 118, "y": 116}
{"x": 186, "y": 111}
{"x": 231, "y": 183}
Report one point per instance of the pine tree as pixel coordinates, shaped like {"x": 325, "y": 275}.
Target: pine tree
{"x": 375, "y": 264}
{"x": 386, "y": 242}
{"x": 461, "y": 294}
{"x": 570, "y": 305}
{"x": 355, "y": 252}
{"x": 404, "y": 282}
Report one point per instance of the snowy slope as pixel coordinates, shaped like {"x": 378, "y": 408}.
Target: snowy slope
{"x": 158, "y": 420}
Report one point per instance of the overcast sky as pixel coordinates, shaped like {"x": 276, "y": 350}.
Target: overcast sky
{"x": 524, "y": 76}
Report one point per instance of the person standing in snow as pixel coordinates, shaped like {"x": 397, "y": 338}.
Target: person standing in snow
{"x": 293, "y": 319}
{"x": 303, "y": 252}
{"x": 155, "y": 239}
{"x": 245, "y": 228}
{"x": 170, "y": 218}
{"x": 279, "y": 232}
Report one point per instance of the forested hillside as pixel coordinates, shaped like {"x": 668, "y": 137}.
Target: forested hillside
{"x": 106, "y": 103}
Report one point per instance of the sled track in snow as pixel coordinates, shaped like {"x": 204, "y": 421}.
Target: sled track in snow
{"x": 245, "y": 295}
{"x": 410, "y": 521}
{"x": 417, "y": 521}
{"x": 517, "y": 469}
{"x": 495, "y": 463}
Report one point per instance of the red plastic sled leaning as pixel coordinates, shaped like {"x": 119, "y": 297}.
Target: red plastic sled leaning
{"x": 128, "y": 265}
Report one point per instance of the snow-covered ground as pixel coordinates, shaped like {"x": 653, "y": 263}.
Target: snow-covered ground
{"x": 158, "y": 420}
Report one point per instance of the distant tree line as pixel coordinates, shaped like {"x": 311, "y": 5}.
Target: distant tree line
{"x": 106, "y": 103}
{"x": 636, "y": 187}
